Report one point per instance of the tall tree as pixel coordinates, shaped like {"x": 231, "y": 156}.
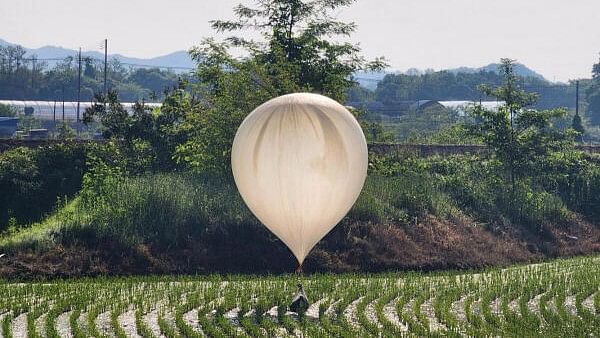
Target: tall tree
{"x": 298, "y": 48}
{"x": 297, "y": 51}
{"x": 521, "y": 138}
{"x": 593, "y": 95}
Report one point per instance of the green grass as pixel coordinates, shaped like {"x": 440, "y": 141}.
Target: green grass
{"x": 167, "y": 209}
{"x": 164, "y": 217}
{"x": 40, "y": 235}
{"x": 163, "y": 210}
{"x": 213, "y": 297}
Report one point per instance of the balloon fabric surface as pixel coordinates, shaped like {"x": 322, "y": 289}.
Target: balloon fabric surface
{"x": 299, "y": 162}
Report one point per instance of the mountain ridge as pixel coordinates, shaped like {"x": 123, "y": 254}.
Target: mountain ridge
{"x": 177, "y": 59}
{"x": 182, "y": 61}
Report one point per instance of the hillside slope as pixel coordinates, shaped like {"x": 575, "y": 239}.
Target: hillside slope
{"x": 186, "y": 224}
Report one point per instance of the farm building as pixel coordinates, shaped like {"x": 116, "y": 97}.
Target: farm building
{"x": 425, "y": 104}
{"x": 460, "y": 107}
{"x": 399, "y": 108}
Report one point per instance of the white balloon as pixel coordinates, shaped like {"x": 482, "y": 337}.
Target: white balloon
{"x": 299, "y": 162}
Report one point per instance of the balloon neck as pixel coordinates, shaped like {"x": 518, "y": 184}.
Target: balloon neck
{"x": 299, "y": 269}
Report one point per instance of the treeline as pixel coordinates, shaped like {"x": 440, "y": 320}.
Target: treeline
{"x": 396, "y": 92}
{"x": 25, "y": 77}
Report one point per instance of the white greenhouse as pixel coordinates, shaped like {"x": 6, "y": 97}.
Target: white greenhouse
{"x": 59, "y": 110}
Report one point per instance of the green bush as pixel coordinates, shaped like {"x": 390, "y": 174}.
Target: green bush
{"x": 374, "y": 203}
{"x": 7, "y": 111}
{"x": 32, "y": 180}
{"x": 163, "y": 210}
{"x": 184, "y": 210}
{"x": 575, "y": 177}
{"x": 470, "y": 185}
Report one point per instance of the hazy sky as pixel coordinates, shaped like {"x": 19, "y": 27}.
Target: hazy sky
{"x": 558, "y": 38}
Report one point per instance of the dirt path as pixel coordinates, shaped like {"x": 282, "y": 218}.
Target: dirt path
{"x": 588, "y": 303}
{"x": 458, "y": 308}
{"x": 372, "y": 315}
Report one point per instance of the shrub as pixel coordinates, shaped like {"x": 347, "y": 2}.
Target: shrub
{"x": 163, "y": 210}
{"x": 32, "y": 180}
{"x": 7, "y": 111}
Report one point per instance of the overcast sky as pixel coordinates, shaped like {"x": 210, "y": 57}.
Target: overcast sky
{"x": 558, "y": 38}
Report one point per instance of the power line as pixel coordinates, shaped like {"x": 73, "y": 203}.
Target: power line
{"x": 141, "y": 65}
{"x": 105, "y": 63}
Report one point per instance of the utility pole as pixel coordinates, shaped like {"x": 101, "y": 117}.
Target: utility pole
{"x": 63, "y": 102}
{"x": 33, "y": 77}
{"x": 105, "y": 64}
{"x": 79, "y": 85}
{"x": 577, "y": 97}
{"x": 577, "y": 123}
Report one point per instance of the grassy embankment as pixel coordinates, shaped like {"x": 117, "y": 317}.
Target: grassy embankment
{"x": 424, "y": 214}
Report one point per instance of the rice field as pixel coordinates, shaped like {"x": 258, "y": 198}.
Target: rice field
{"x": 555, "y": 299}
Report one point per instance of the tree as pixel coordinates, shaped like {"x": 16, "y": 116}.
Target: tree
{"x": 522, "y": 139}
{"x": 577, "y": 125}
{"x": 396, "y": 91}
{"x": 593, "y": 95}
{"x": 297, "y": 47}
{"x": 153, "y": 79}
{"x": 89, "y": 70}
{"x": 64, "y": 131}
{"x": 297, "y": 53}
{"x": 24, "y": 77}
{"x": 27, "y": 122}
{"x": 7, "y": 111}
{"x": 111, "y": 114}
{"x": 147, "y": 137}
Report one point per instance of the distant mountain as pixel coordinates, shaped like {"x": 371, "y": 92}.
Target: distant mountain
{"x": 519, "y": 68}
{"x": 179, "y": 59}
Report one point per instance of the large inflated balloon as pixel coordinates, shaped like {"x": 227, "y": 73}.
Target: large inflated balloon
{"x": 299, "y": 162}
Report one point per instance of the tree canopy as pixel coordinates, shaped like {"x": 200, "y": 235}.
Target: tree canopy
{"x": 593, "y": 95}
{"x": 25, "y": 77}
{"x": 298, "y": 51}
{"x": 522, "y": 138}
